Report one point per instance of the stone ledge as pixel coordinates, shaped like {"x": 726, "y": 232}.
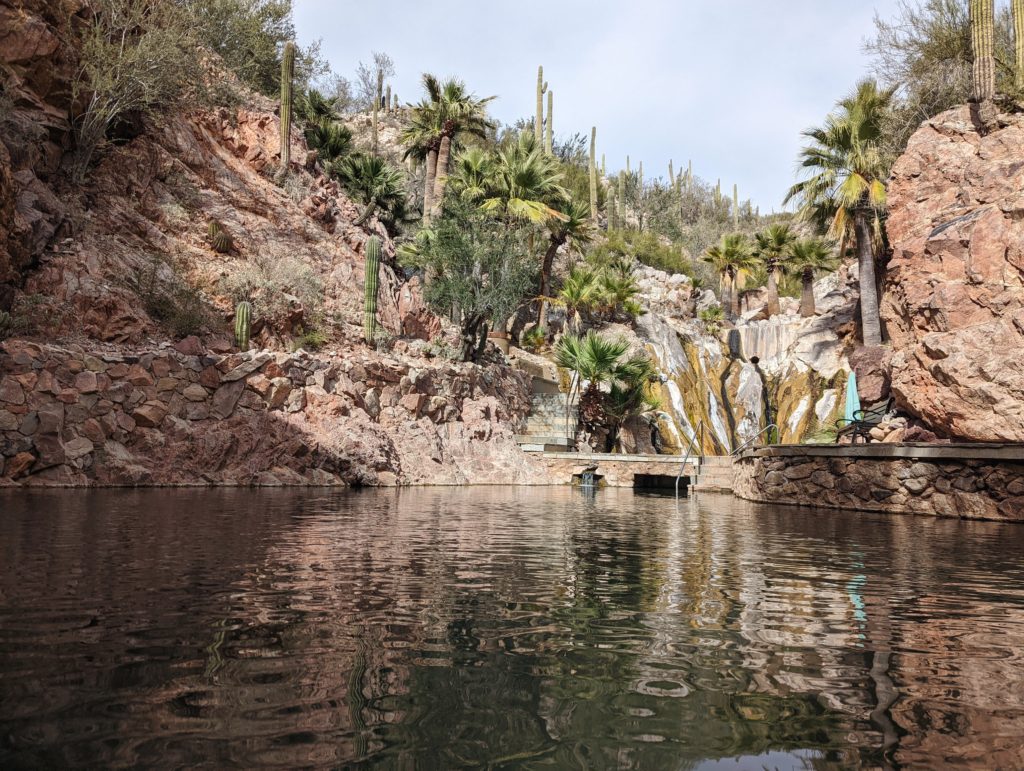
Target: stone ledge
{"x": 952, "y": 452}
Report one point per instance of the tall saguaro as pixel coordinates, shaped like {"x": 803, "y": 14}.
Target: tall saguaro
{"x": 983, "y": 45}
{"x": 287, "y": 70}
{"x": 593, "y": 173}
{"x": 736, "y": 206}
{"x": 1018, "y": 43}
{"x": 538, "y": 126}
{"x": 549, "y": 138}
{"x": 376, "y": 108}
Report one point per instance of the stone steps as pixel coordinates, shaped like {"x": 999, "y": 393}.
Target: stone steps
{"x": 717, "y": 473}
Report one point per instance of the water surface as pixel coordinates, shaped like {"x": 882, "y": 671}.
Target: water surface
{"x": 502, "y": 628}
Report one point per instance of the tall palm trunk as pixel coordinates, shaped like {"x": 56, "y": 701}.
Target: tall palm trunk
{"x": 871, "y": 323}
{"x": 545, "y": 282}
{"x": 444, "y": 155}
{"x": 773, "y": 291}
{"x": 807, "y": 308}
{"x": 428, "y": 185}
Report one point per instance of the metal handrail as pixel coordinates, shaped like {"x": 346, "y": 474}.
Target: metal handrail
{"x": 753, "y": 439}
{"x": 686, "y": 457}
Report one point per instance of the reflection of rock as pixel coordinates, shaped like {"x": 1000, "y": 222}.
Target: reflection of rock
{"x": 954, "y": 296}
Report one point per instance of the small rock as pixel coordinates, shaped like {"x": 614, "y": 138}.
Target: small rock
{"x": 86, "y": 383}
{"x": 78, "y": 448}
{"x": 19, "y": 465}
{"x": 190, "y": 346}
{"x": 149, "y": 415}
{"x": 195, "y": 393}
{"x": 11, "y": 392}
{"x": 225, "y": 399}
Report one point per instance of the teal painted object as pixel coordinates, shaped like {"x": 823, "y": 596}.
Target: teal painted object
{"x": 852, "y": 397}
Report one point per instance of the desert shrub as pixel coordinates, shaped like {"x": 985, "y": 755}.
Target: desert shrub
{"x": 535, "y": 339}
{"x": 712, "y": 319}
{"x": 137, "y": 57}
{"x": 312, "y": 339}
{"x": 6, "y": 325}
{"x": 274, "y": 283}
{"x": 249, "y": 36}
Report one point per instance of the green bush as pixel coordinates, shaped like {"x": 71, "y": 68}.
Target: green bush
{"x": 312, "y": 339}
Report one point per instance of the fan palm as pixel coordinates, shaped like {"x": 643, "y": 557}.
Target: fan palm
{"x": 330, "y": 140}
{"x": 809, "y": 256}
{"x": 373, "y": 182}
{"x": 771, "y": 247}
{"x": 630, "y": 394}
{"x": 595, "y": 360}
{"x": 314, "y": 107}
{"x": 573, "y": 230}
{"x": 579, "y": 292}
{"x": 730, "y": 258}
{"x": 526, "y": 183}
{"x": 848, "y": 169}
{"x": 471, "y": 176}
{"x": 436, "y": 124}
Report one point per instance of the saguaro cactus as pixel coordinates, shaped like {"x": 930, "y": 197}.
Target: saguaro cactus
{"x": 549, "y": 141}
{"x": 243, "y": 324}
{"x": 613, "y": 221}
{"x": 387, "y": 100}
{"x": 640, "y": 174}
{"x": 671, "y": 175}
{"x": 370, "y": 283}
{"x": 736, "y": 206}
{"x": 1018, "y": 43}
{"x": 287, "y": 71}
{"x": 983, "y": 45}
{"x": 604, "y": 169}
{"x": 376, "y": 108}
{"x": 538, "y": 126}
{"x": 593, "y": 173}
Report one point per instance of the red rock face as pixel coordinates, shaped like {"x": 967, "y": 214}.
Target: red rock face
{"x": 954, "y": 294}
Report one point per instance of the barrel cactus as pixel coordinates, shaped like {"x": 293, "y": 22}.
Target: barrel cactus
{"x": 243, "y": 324}
{"x": 220, "y": 239}
{"x": 370, "y": 284}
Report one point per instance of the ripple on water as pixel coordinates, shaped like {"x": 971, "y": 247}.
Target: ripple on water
{"x": 505, "y": 627}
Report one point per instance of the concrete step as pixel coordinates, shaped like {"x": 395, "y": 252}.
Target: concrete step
{"x": 542, "y": 439}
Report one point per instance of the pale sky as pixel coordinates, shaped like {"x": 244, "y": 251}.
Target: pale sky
{"x": 729, "y": 84}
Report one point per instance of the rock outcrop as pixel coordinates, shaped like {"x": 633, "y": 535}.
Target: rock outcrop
{"x": 953, "y": 302}
{"x": 157, "y": 416}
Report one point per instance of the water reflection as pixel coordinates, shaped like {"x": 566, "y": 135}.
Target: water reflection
{"x": 502, "y": 628}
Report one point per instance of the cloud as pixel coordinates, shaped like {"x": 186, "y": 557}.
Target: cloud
{"x": 729, "y": 84}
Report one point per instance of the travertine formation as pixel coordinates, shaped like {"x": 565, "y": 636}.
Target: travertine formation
{"x": 183, "y": 416}
{"x": 954, "y": 296}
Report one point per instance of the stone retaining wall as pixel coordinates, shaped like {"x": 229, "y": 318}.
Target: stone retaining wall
{"x": 613, "y": 470}
{"x": 968, "y": 481}
{"x": 185, "y": 416}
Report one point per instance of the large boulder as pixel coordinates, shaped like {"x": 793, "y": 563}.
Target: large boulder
{"x": 954, "y": 293}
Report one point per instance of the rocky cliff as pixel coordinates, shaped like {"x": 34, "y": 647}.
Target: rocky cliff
{"x": 122, "y": 371}
{"x": 954, "y": 294}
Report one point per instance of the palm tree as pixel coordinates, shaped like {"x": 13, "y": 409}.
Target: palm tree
{"x": 574, "y": 230}
{"x": 436, "y": 123}
{"x": 730, "y": 258}
{"x": 472, "y": 174}
{"x": 596, "y": 360}
{"x": 630, "y": 395}
{"x": 771, "y": 247}
{"x": 422, "y": 138}
{"x": 847, "y": 183}
{"x": 373, "y": 182}
{"x": 579, "y": 292}
{"x": 618, "y": 291}
{"x": 330, "y": 140}
{"x": 807, "y": 257}
{"x": 527, "y": 183}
